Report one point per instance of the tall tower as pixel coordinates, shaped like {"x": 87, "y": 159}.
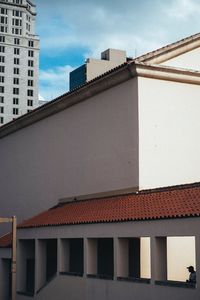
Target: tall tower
{"x": 19, "y": 59}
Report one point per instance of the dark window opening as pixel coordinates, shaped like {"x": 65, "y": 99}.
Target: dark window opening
{"x": 6, "y": 279}
{"x": 105, "y": 264}
{"x": 27, "y": 267}
{"x": 134, "y": 257}
{"x": 51, "y": 258}
{"x": 30, "y": 275}
{"x": 76, "y": 256}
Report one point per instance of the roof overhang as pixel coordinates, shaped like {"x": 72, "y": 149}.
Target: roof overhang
{"x": 170, "y": 51}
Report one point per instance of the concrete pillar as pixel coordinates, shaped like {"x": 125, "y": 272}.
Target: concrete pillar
{"x": 85, "y": 257}
{"x": 64, "y": 255}
{"x": 23, "y": 23}
{"x": 91, "y": 256}
{"x": 59, "y": 256}
{"x": 158, "y": 258}
{"x": 115, "y": 257}
{"x": 122, "y": 258}
{"x": 10, "y": 12}
{"x": 40, "y": 263}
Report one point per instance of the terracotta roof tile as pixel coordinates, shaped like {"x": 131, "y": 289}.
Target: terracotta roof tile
{"x": 6, "y": 240}
{"x": 172, "y": 203}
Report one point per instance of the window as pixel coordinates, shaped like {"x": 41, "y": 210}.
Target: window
{"x": 16, "y": 31}
{"x": 1, "y": 89}
{"x": 174, "y": 253}
{"x": 15, "y": 80}
{"x": 16, "y": 71}
{"x": 51, "y": 258}
{"x": 27, "y": 263}
{"x": 16, "y": 61}
{"x": 2, "y": 49}
{"x": 2, "y": 69}
{"x": 16, "y": 51}
{"x": 3, "y": 20}
{"x": 30, "y": 82}
{"x": 16, "y": 41}
{"x": 30, "y": 53}
{"x": 16, "y": 22}
{"x": 2, "y": 78}
{"x": 28, "y": 27}
{"x": 134, "y": 258}
{"x": 30, "y": 73}
{"x": 3, "y": 29}
{"x": 15, "y": 101}
{"x": 17, "y": 1}
{"x": 101, "y": 262}
{"x": 17, "y": 13}
{"x": 15, "y": 111}
{"x": 1, "y": 109}
{"x": 4, "y": 11}
{"x": 30, "y": 63}
{"x": 29, "y": 110}
{"x": 30, "y": 43}
{"x": 30, "y": 93}
{"x": 1, "y": 99}
{"x": 2, "y": 39}
{"x": 16, "y": 91}
{"x": 30, "y": 102}
{"x": 2, "y": 59}
{"x": 1, "y": 120}
{"x": 72, "y": 256}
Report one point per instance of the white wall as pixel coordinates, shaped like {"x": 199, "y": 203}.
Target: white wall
{"x": 88, "y": 148}
{"x": 188, "y": 60}
{"x": 169, "y": 127}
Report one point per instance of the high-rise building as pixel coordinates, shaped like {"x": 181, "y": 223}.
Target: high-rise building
{"x": 19, "y": 59}
{"x": 92, "y": 68}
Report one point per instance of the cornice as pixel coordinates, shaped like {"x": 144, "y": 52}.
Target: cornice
{"x": 168, "y": 73}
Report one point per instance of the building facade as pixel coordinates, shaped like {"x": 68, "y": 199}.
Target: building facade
{"x": 19, "y": 59}
{"x": 129, "y": 138}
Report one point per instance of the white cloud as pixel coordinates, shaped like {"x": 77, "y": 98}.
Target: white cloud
{"x": 183, "y": 9}
{"x": 93, "y": 26}
{"x": 54, "y": 81}
{"x": 98, "y": 25}
{"x": 41, "y": 98}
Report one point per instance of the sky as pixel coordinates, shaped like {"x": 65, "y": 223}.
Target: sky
{"x": 72, "y": 30}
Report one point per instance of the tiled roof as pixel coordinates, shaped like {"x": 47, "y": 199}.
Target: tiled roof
{"x": 6, "y": 240}
{"x": 145, "y": 205}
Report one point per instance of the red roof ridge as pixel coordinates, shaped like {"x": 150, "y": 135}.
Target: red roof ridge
{"x": 138, "y": 192}
{"x": 180, "y": 201}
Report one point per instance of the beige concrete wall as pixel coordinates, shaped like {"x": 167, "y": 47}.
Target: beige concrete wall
{"x": 88, "y": 148}
{"x": 168, "y": 129}
{"x": 96, "y": 67}
{"x": 188, "y": 60}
